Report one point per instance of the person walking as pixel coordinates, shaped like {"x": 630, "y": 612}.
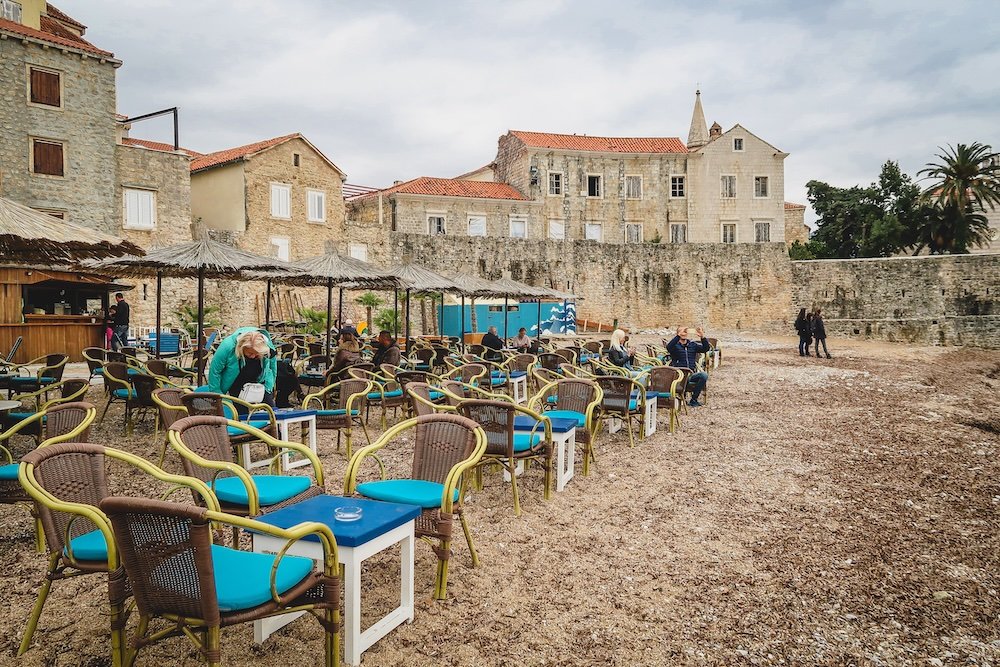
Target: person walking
{"x": 684, "y": 354}
{"x": 803, "y": 325}
{"x": 819, "y": 332}
{"x": 119, "y": 338}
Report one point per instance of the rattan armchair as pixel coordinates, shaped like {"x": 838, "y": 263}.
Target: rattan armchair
{"x": 667, "y": 381}
{"x": 69, "y": 391}
{"x": 625, "y": 399}
{"x": 386, "y": 392}
{"x": 95, "y": 358}
{"x": 339, "y": 406}
{"x": 198, "y": 587}
{"x": 51, "y": 368}
{"x": 573, "y": 398}
{"x": 507, "y": 447}
{"x": 170, "y": 408}
{"x": 67, "y": 481}
{"x": 445, "y": 447}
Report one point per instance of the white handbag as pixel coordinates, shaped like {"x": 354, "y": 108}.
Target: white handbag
{"x": 252, "y": 392}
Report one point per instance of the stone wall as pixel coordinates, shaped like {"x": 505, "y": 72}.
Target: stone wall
{"x": 795, "y": 224}
{"x": 949, "y": 300}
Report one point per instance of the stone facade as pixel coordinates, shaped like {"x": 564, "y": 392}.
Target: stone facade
{"x": 409, "y": 213}
{"x": 939, "y": 300}
{"x": 795, "y": 224}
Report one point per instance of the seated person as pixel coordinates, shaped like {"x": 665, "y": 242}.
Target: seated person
{"x": 618, "y": 353}
{"x": 523, "y": 342}
{"x": 386, "y": 351}
{"x": 684, "y": 354}
{"x": 493, "y": 345}
{"x": 348, "y": 352}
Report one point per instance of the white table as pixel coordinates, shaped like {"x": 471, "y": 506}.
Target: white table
{"x": 519, "y": 388}
{"x": 356, "y": 541}
{"x": 564, "y": 439}
{"x": 648, "y": 419}
{"x": 284, "y": 418}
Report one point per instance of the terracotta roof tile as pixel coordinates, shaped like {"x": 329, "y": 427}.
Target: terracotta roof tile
{"x": 60, "y": 15}
{"x": 53, "y": 33}
{"x": 157, "y": 146}
{"x": 451, "y": 187}
{"x": 217, "y": 158}
{"x": 792, "y": 205}
{"x": 575, "y": 142}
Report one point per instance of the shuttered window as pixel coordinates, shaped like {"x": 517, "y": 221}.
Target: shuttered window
{"x": 281, "y": 200}
{"x": 45, "y": 87}
{"x": 47, "y": 157}
{"x": 140, "y": 209}
{"x": 477, "y": 225}
{"x": 317, "y": 205}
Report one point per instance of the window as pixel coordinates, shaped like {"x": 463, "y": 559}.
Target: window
{"x": 760, "y": 187}
{"x": 678, "y": 233}
{"x": 316, "y": 199}
{"x": 633, "y": 187}
{"x": 44, "y": 87}
{"x": 592, "y": 231}
{"x": 737, "y": 144}
{"x": 281, "y": 200}
{"x": 435, "y": 225}
{"x": 47, "y": 157}
{"x": 762, "y": 232}
{"x": 281, "y": 248}
{"x": 677, "y": 186}
{"x": 518, "y": 227}
{"x": 295, "y": 159}
{"x": 728, "y": 187}
{"x": 358, "y": 251}
{"x": 633, "y": 232}
{"x": 477, "y": 225}
{"x": 593, "y": 186}
{"x": 10, "y": 10}
{"x": 557, "y": 229}
{"x": 139, "y": 209}
{"x": 555, "y": 184}
{"x": 729, "y": 232}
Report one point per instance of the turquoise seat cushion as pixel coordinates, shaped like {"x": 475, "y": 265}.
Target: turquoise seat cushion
{"x": 338, "y": 412}
{"x": 243, "y": 578}
{"x": 408, "y": 491}
{"x": 581, "y": 419}
{"x": 496, "y": 381}
{"x": 525, "y": 441}
{"x": 19, "y": 416}
{"x": 122, "y": 393}
{"x": 435, "y": 395}
{"x": 89, "y": 546}
{"x": 551, "y": 400}
{"x": 8, "y": 472}
{"x": 271, "y": 489}
{"x": 392, "y": 393}
{"x": 256, "y": 423}
{"x": 133, "y": 371}
{"x": 32, "y": 380}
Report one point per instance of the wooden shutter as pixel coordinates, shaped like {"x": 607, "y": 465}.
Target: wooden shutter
{"x": 48, "y": 158}
{"x": 45, "y": 88}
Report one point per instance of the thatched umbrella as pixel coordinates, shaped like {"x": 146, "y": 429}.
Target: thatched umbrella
{"x": 202, "y": 258}
{"x": 418, "y": 279}
{"x": 27, "y": 235}
{"x": 514, "y": 288}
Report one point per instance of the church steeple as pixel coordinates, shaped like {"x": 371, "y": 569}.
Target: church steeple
{"x": 698, "y": 135}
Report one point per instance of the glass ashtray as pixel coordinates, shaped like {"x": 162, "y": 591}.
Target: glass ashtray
{"x": 350, "y": 513}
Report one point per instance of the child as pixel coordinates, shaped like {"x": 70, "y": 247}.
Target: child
{"x": 109, "y": 323}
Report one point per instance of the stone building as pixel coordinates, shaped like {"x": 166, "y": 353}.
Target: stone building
{"x": 796, "y": 228}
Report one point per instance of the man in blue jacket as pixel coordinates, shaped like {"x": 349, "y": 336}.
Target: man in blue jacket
{"x": 684, "y": 353}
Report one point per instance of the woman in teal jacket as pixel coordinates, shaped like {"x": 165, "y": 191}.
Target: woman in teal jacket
{"x": 247, "y": 355}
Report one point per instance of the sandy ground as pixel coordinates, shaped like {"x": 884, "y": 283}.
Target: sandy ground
{"x": 836, "y": 512}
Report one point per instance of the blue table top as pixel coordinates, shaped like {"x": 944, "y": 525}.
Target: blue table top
{"x": 289, "y": 413}
{"x": 377, "y": 518}
{"x": 559, "y": 424}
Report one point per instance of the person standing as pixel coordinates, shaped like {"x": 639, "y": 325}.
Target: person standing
{"x": 246, "y": 356}
{"x": 803, "y": 325}
{"x": 109, "y": 327}
{"x": 819, "y": 332}
{"x": 119, "y": 339}
{"x": 684, "y": 354}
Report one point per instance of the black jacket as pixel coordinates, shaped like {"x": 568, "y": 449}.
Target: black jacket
{"x": 684, "y": 355}
{"x": 619, "y": 357}
{"x": 818, "y": 330}
{"x": 492, "y": 341}
{"x": 804, "y": 327}
{"x": 121, "y": 314}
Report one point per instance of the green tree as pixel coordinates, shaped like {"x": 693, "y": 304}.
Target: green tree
{"x": 187, "y": 318}
{"x": 370, "y": 301}
{"x": 385, "y": 320}
{"x": 315, "y": 319}
{"x": 962, "y": 185}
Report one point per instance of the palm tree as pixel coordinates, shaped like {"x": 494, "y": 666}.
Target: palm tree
{"x": 369, "y": 300}
{"x": 963, "y": 184}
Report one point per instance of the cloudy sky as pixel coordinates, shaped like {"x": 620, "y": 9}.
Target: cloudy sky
{"x": 395, "y": 90}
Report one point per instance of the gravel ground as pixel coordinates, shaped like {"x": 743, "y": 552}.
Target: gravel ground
{"x": 814, "y": 512}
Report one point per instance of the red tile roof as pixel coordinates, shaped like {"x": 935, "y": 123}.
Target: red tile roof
{"x": 60, "y": 15}
{"x": 581, "y": 142}
{"x": 218, "y": 158}
{"x": 792, "y": 205}
{"x": 157, "y": 146}
{"x": 53, "y": 33}
{"x": 451, "y": 187}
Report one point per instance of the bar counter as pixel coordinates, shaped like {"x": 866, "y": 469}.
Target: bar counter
{"x": 43, "y": 334}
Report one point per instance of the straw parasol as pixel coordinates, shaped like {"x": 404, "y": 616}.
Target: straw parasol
{"x": 28, "y": 235}
{"x": 201, "y": 258}
{"x": 421, "y": 279}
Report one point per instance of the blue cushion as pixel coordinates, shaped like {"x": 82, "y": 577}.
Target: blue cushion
{"x": 525, "y": 441}
{"x": 134, "y": 371}
{"x": 18, "y": 416}
{"x": 335, "y": 413}
{"x": 551, "y": 399}
{"x": 243, "y": 578}
{"x": 408, "y": 491}
{"x": 271, "y": 489}
{"x": 8, "y": 472}
{"x": 89, "y": 546}
{"x": 581, "y": 419}
{"x": 32, "y": 380}
{"x": 496, "y": 381}
{"x": 392, "y": 393}
{"x": 122, "y": 393}
{"x": 435, "y": 395}
{"x": 256, "y": 423}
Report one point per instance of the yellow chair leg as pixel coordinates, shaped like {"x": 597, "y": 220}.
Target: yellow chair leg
{"x": 36, "y": 613}
{"x": 548, "y": 478}
{"x": 347, "y": 438}
{"x": 39, "y": 533}
{"x": 332, "y": 639}
{"x": 213, "y": 646}
{"x": 512, "y": 467}
{"x": 441, "y": 583}
{"x": 468, "y": 538}
{"x": 131, "y": 653}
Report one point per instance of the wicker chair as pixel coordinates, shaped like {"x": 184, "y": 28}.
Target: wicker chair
{"x": 573, "y": 398}
{"x": 206, "y": 451}
{"x": 171, "y": 408}
{"x": 386, "y": 392}
{"x": 179, "y": 575}
{"x": 51, "y": 371}
{"x": 624, "y": 398}
{"x": 550, "y": 361}
{"x": 339, "y": 406}
{"x": 508, "y": 448}
{"x": 67, "y": 481}
{"x": 168, "y": 372}
{"x": 116, "y": 384}
{"x": 467, "y": 373}
{"x": 317, "y": 361}
{"x": 666, "y": 382}
{"x": 445, "y": 447}
{"x": 95, "y": 358}
{"x": 425, "y": 399}
{"x": 68, "y": 391}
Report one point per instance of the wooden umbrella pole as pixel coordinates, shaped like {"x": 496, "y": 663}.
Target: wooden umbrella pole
{"x": 329, "y": 311}
{"x": 267, "y": 307}
{"x": 406, "y": 333}
{"x": 201, "y": 326}
{"x": 159, "y": 305}
{"x": 441, "y": 317}
{"x": 506, "y": 332}
{"x": 463, "y": 323}
{"x": 538, "y": 322}
{"x": 395, "y": 313}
